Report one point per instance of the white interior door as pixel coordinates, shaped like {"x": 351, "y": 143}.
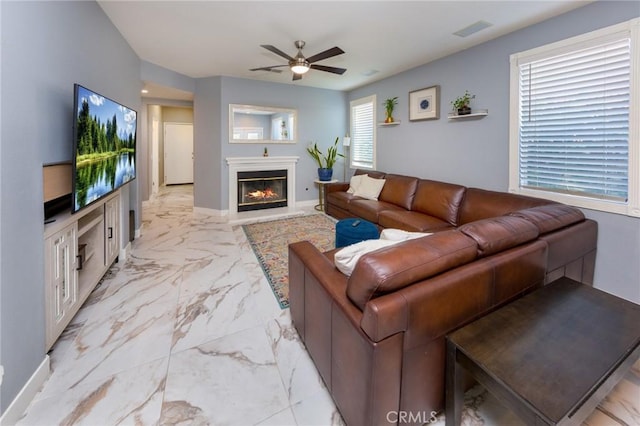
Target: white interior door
{"x": 178, "y": 153}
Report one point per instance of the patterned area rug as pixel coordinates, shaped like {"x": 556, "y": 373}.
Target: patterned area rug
{"x": 270, "y": 242}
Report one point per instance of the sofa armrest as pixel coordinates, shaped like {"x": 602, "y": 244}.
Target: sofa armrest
{"x": 336, "y": 187}
{"x": 305, "y": 258}
{"x": 385, "y": 316}
{"x": 308, "y": 266}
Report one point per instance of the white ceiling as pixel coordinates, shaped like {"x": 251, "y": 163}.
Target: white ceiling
{"x": 212, "y": 38}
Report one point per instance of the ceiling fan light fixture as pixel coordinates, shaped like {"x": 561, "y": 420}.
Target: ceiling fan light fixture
{"x": 299, "y": 65}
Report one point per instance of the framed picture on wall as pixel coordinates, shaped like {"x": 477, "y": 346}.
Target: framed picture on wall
{"x": 424, "y": 104}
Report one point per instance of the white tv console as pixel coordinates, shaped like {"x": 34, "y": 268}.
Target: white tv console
{"x": 78, "y": 250}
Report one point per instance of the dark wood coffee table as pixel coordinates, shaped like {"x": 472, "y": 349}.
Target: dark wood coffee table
{"x": 551, "y": 356}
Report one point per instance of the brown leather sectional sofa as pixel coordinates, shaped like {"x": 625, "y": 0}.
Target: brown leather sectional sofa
{"x": 378, "y": 336}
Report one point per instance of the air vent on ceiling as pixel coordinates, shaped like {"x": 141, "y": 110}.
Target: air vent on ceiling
{"x": 473, "y": 28}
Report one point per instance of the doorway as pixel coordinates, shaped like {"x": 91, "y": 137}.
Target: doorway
{"x": 178, "y": 153}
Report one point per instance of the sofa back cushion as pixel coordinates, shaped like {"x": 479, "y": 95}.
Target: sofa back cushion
{"x": 551, "y": 217}
{"x": 500, "y": 233}
{"x": 392, "y": 268}
{"x": 372, "y": 173}
{"x": 482, "y": 204}
{"x": 399, "y": 190}
{"x": 438, "y": 199}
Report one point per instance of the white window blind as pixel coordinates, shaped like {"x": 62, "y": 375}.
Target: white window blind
{"x": 363, "y": 135}
{"x": 574, "y": 122}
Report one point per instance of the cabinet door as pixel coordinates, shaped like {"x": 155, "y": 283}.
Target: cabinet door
{"x": 112, "y": 230}
{"x": 61, "y": 280}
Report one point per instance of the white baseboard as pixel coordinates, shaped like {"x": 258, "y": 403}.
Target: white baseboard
{"x": 210, "y": 212}
{"x": 306, "y": 204}
{"x": 21, "y": 402}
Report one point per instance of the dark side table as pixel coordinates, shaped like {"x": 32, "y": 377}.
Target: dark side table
{"x": 551, "y": 356}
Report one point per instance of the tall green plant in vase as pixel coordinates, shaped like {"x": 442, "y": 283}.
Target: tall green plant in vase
{"x": 325, "y": 162}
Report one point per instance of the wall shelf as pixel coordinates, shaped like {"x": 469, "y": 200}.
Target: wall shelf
{"x": 480, "y": 113}
{"x": 383, "y": 124}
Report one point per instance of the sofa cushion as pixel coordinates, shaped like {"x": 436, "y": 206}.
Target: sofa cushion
{"x": 369, "y": 188}
{"x": 499, "y": 233}
{"x": 551, "y": 217}
{"x": 399, "y": 190}
{"x": 341, "y": 199}
{"x": 372, "y": 173}
{"x": 482, "y": 204}
{"x": 392, "y": 268}
{"x": 411, "y": 221}
{"x": 438, "y": 199}
{"x": 370, "y": 209}
{"x": 347, "y": 257}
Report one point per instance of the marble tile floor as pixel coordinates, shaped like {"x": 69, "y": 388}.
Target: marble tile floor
{"x": 187, "y": 332}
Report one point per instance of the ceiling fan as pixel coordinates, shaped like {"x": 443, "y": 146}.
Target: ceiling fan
{"x": 299, "y": 64}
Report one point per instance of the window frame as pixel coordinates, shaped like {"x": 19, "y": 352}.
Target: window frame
{"x": 354, "y": 103}
{"x": 630, "y": 29}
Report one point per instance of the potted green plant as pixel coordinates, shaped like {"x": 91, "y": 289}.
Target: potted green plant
{"x": 461, "y": 103}
{"x": 389, "y": 104}
{"x": 325, "y": 162}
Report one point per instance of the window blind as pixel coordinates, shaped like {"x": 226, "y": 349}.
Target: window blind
{"x": 362, "y": 134}
{"x": 574, "y": 122}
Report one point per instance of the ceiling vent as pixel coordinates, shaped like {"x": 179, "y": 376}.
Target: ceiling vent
{"x": 473, "y": 28}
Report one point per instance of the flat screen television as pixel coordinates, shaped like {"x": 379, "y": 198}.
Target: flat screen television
{"x": 104, "y": 148}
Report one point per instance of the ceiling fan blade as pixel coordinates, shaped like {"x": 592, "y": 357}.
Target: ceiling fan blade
{"x": 276, "y": 51}
{"x": 329, "y": 53}
{"x": 269, "y": 68}
{"x": 328, "y": 69}
{"x": 297, "y": 76}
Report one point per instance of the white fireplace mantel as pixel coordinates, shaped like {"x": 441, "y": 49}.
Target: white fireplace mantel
{"x": 251, "y": 164}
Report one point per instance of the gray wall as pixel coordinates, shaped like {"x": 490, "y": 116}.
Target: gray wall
{"x": 46, "y": 47}
{"x": 207, "y": 125}
{"x": 475, "y": 153}
{"x": 322, "y": 116}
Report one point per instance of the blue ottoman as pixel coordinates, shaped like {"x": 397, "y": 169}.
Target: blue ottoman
{"x": 351, "y": 231}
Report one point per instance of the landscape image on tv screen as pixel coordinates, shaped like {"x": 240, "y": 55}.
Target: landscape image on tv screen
{"x": 105, "y": 146}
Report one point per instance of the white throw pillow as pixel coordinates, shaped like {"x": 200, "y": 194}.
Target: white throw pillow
{"x": 355, "y": 182}
{"x": 369, "y": 188}
{"x": 346, "y": 259}
{"x": 400, "y": 235}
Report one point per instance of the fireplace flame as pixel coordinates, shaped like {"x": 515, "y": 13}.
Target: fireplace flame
{"x": 268, "y": 193}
